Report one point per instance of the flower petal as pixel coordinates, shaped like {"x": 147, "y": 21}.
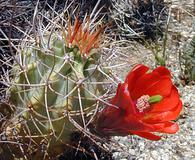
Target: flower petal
{"x": 164, "y": 116}
{"x": 111, "y": 116}
{"x": 162, "y": 71}
{"x": 152, "y": 84}
{"x": 138, "y": 71}
{"x": 170, "y": 128}
{"x": 147, "y": 135}
{"x": 132, "y": 123}
{"x": 167, "y": 103}
{"x": 123, "y": 99}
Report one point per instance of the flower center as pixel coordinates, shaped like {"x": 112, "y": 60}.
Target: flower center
{"x": 143, "y": 103}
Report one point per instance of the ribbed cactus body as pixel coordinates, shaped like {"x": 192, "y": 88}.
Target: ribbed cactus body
{"x": 52, "y": 86}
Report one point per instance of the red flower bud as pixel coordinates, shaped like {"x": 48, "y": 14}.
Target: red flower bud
{"x": 80, "y": 35}
{"x": 146, "y": 102}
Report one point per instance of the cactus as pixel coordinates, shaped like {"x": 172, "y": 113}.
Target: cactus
{"x": 55, "y": 87}
{"x": 187, "y": 61}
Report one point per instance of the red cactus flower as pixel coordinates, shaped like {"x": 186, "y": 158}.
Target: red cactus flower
{"x": 79, "y": 35}
{"x": 146, "y": 102}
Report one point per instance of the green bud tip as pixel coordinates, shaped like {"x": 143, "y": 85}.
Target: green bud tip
{"x": 155, "y": 99}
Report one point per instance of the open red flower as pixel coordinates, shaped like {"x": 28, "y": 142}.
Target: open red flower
{"x": 146, "y": 102}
